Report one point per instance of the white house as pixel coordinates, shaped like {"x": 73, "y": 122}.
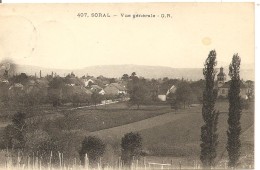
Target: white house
{"x": 162, "y": 96}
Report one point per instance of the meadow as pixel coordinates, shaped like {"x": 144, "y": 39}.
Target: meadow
{"x": 169, "y": 136}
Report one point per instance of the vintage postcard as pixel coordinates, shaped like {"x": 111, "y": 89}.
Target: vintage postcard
{"x": 127, "y": 86}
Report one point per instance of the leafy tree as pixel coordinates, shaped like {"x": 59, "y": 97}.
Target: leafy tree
{"x": 96, "y": 98}
{"x": 4, "y": 92}
{"x": 125, "y": 77}
{"x": 5, "y": 74}
{"x": 131, "y": 145}
{"x": 55, "y": 90}
{"x": 133, "y": 75}
{"x": 171, "y": 99}
{"x": 234, "y": 129}
{"x": 55, "y": 96}
{"x": 40, "y": 142}
{"x": 16, "y": 96}
{"x": 14, "y": 134}
{"x": 21, "y": 78}
{"x": 56, "y": 83}
{"x": 137, "y": 91}
{"x": 198, "y": 87}
{"x": 8, "y": 136}
{"x": 154, "y": 90}
{"x": 93, "y": 147}
{"x": 35, "y": 95}
{"x": 48, "y": 150}
{"x": 209, "y": 136}
{"x": 112, "y": 80}
{"x": 183, "y": 93}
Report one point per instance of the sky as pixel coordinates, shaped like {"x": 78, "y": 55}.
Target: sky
{"x": 52, "y": 36}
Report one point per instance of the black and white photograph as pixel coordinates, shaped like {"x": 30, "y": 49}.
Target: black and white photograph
{"x": 127, "y": 86}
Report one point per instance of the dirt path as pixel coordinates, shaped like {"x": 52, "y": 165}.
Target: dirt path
{"x": 101, "y": 104}
{"x": 118, "y": 132}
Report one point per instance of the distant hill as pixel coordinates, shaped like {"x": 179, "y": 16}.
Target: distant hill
{"x": 116, "y": 71}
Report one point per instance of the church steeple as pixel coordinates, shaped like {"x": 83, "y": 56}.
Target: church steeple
{"x": 221, "y": 77}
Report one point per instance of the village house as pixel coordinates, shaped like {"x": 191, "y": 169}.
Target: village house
{"x": 162, "y": 96}
{"x": 115, "y": 89}
{"x": 87, "y": 82}
{"x": 96, "y": 88}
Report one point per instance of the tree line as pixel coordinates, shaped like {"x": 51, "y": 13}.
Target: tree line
{"x": 144, "y": 91}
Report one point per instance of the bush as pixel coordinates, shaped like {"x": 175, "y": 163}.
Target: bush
{"x": 94, "y": 148}
{"x": 131, "y": 147}
{"x": 14, "y": 134}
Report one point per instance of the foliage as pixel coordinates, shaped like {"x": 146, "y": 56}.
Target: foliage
{"x": 4, "y": 92}
{"x": 125, "y": 77}
{"x": 153, "y": 87}
{"x": 56, "y": 83}
{"x": 41, "y": 144}
{"x": 171, "y": 99}
{"x": 235, "y": 109}
{"x": 209, "y": 136}
{"x": 112, "y": 80}
{"x": 183, "y": 93}
{"x": 55, "y": 90}
{"x": 55, "y": 96}
{"x": 14, "y": 134}
{"x": 93, "y": 147}
{"x": 96, "y": 98}
{"x": 131, "y": 145}
{"x": 35, "y": 95}
{"x": 21, "y": 78}
{"x": 137, "y": 90}
{"x": 197, "y": 88}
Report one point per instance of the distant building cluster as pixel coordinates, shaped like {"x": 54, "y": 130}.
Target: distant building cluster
{"x": 246, "y": 87}
{"x": 81, "y": 88}
{"x": 13, "y": 86}
{"x": 221, "y": 85}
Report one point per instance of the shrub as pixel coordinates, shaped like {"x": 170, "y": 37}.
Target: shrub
{"x": 131, "y": 147}
{"x": 14, "y": 134}
{"x": 94, "y": 148}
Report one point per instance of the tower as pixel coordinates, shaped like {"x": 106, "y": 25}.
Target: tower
{"x": 221, "y": 77}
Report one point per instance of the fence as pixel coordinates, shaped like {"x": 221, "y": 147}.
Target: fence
{"x": 35, "y": 163}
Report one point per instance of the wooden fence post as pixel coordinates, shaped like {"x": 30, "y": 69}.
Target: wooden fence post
{"x": 180, "y": 165}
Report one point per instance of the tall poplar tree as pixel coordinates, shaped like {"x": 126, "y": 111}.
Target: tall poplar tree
{"x": 234, "y": 129}
{"x": 209, "y": 136}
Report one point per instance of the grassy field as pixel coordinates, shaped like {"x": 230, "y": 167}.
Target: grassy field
{"x": 88, "y": 119}
{"x": 168, "y": 135}
{"x": 69, "y": 127}
{"x": 104, "y": 117}
{"x": 182, "y": 138}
